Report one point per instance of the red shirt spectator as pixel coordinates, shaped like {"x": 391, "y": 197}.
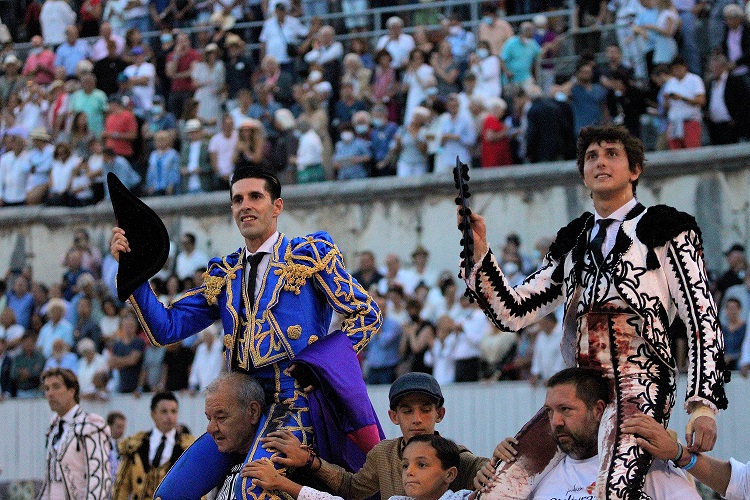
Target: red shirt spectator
{"x": 120, "y": 129}
{"x": 40, "y": 62}
{"x": 181, "y": 59}
{"x": 495, "y": 140}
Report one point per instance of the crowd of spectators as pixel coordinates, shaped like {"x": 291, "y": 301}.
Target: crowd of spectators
{"x": 429, "y": 325}
{"x": 176, "y": 113}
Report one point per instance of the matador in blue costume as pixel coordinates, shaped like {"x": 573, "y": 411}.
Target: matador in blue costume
{"x": 629, "y": 278}
{"x": 274, "y": 297}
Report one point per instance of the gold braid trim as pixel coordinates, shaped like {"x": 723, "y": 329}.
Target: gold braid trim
{"x": 213, "y": 285}
{"x": 296, "y": 275}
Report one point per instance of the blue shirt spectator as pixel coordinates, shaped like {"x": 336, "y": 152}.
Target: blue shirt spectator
{"x": 382, "y": 354}
{"x": 588, "y": 99}
{"x": 19, "y": 299}
{"x": 163, "y": 175}
{"x": 121, "y": 168}
{"x": 519, "y": 54}
{"x": 56, "y": 328}
{"x": 381, "y": 136}
{"x": 264, "y": 109}
{"x": 462, "y": 42}
{"x": 351, "y": 155}
{"x": 73, "y": 51}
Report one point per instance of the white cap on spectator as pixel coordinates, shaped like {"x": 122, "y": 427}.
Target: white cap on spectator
{"x": 314, "y": 76}
{"x": 285, "y": 119}
{"x": 323, "y": 88}
{"x": 540, "y": 21}
{"x": 193, "y": 125}
{"x": 393, "y": 21}
{"x": 11, "y": 59}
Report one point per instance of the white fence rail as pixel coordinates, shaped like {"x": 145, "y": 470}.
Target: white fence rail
{"x": 477, "y": 415}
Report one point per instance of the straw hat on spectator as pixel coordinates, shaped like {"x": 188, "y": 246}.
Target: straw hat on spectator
{"x": 54, "y": 85}
{"x": 211, "y": 47}
{"x": 225, "y": 22}
{"x": 232, "y": 39}
{"x": 40, "y": 133}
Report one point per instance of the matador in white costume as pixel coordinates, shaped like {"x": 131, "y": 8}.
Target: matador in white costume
{"x": 629, "y": 278}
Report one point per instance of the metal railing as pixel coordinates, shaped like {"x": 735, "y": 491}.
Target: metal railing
{"x": 376, "y": 17}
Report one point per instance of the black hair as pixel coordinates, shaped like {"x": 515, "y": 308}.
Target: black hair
{"x": 596, "y": 135}
{"x": 678, "y": 61}
{"x": 446, "y": 450}
{"x": 733, "y": 299}
{"x": 162, "y": 396}
{"x": 590, "y": 384}
{"x": 114, "y": 416}
{"x": 273, "y": 186}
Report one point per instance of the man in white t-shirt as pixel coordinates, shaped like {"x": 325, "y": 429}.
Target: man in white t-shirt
{"x": 547, "y": 358}
{"x": 279, "y": 31}
{"x": 575, "y": 401}
{"x": 142, "y": 79}
{"x": 684, "y": 98}
{"x": 398, "y": 44}
{"x": 221, "y": 150}
{"x": 55, "y": 16}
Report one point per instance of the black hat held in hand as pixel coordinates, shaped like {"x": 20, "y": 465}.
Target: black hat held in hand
{"x": 147, "y": 236}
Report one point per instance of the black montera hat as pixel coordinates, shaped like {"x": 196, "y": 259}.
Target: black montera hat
{"x": 147, "y": 237}
{"x": 415, "y": 382}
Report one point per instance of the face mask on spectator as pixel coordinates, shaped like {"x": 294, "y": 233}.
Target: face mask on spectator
{"x": 487, "y": 20}
{"x": 166, "y": 38}
{"x": 482, "y": 53}
{"x": 431, "y": 91}
{"x": 347, "y": 136}
{"x": 361, "y": 128}
{"x": 455, "y": 30}
{"x": 377, "y": 122}
{"x": 157, "y": 109}
{"x": 560, "y": 96}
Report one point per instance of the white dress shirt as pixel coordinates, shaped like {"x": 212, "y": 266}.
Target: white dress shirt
{"x": 618, "y": 216}
{"x": 267, "y": 248}
{"x": 717, "y": 107}
{"x": 154, "y": 441}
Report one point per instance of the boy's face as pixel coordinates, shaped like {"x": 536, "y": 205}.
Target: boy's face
{"x": 416, "y": 414}
{"x": 423, "y": 474}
